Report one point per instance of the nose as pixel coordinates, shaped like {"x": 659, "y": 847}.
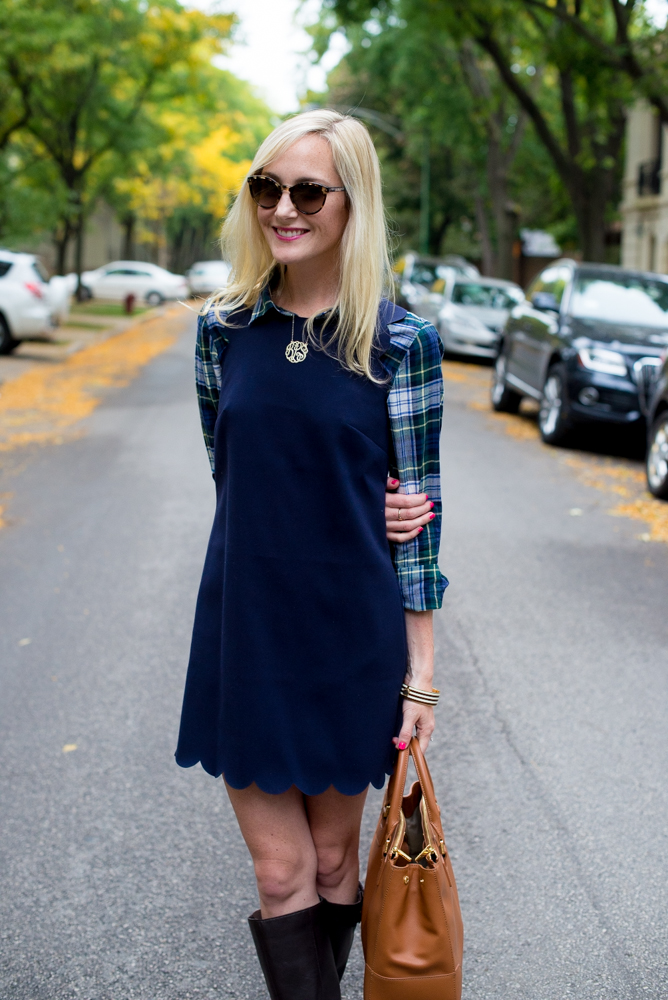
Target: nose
{"x": 285, "y": 209}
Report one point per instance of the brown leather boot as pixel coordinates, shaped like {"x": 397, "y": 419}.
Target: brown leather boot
{"x": 340, "y": 920}
{"x": 296, "y": 955}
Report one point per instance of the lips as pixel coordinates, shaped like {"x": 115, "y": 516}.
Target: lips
{"x": 288, "y": 235}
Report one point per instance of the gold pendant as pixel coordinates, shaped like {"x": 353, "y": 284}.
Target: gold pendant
{"x": 296, "y": 351}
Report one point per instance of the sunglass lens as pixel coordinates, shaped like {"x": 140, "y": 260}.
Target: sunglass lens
{"x": 264, "y": 192}
{"x": 308, "y": 198}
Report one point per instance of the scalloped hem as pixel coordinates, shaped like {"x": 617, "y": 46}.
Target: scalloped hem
{"x": 306, "y": 788}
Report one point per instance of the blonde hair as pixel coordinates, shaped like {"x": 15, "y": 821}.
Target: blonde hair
{"x": 365, "y": 263}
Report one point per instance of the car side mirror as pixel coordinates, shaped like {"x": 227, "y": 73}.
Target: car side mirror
{"x": 545, "y": 301}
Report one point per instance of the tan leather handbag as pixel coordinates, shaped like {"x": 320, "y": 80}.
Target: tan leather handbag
{"x": 412, "y": 930}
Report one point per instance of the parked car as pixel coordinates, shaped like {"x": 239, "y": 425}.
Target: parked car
{"x": 472, "y": 313}
{"x": 25, "y": 309}
{"x": 121, "y": 278}
{"x": 416, "y": 275}
{"x": 657, "y": 423}
{"x": 207, "y": 276}
{"x": 580, "y": 344}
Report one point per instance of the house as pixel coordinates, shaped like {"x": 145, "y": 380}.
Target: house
{"x": 644, "y": 205}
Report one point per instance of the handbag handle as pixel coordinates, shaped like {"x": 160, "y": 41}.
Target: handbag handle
{"x": 426, "y": 784}
{"x": 397, "y": 784}
{"x": 395, "y": 789}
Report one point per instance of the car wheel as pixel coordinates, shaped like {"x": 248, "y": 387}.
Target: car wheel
{"x": 7, "y": 342}
{"x": 85, "y": 294}
{"x": 504, "y": 400}
{"x": 657, "y": 458}
{"x": 553, "y": 422}
{"x": 155, "y": 299}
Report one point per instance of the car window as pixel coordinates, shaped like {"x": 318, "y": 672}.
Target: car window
{"x": 471, "y": 293}
{"x": 620, "y": 299}
{"x": 553, "y": 280}
{"x": 423, "y": 274}
{"x": 40, "y": 270}
{"x": 5, "y": 266}
{"x": 127, "y": 272}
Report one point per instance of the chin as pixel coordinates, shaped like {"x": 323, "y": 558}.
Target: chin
{"x": 290, "y": 254}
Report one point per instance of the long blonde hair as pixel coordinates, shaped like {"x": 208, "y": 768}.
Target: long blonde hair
{"x": 365, "y": 262}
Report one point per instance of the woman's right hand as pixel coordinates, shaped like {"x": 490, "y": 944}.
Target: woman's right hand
{"x": 415, "y": 510}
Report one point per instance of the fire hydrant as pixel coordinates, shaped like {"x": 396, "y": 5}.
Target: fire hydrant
{"x": 130, "y": 304}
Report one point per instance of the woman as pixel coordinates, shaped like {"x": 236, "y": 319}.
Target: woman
{"x": 307, "y": 624}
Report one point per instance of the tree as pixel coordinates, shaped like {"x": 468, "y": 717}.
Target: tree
{"x": 447, "y": 103}
{"x": 577, "y": 100}
{"x": 83, "y": 96}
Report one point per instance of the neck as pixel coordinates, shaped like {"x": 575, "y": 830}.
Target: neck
{"x": 309, "y": 287}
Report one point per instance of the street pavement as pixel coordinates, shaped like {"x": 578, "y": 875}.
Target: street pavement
{"x": 123, "y": 876}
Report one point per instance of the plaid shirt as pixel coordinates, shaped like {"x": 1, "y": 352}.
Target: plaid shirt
{"x": 411, "y": 354}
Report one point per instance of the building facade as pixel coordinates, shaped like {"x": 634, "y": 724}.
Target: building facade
{"x": 644, "y": 205}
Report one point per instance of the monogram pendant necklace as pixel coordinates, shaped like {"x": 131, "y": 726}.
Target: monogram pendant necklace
{"x": 296, "y": 350}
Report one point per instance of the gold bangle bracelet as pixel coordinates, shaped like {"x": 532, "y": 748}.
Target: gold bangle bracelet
{"x": 417, "y": 694}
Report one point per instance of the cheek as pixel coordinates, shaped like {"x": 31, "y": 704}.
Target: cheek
{"x": 336, "y": 224}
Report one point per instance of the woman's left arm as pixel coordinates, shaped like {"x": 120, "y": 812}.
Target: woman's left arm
{"x": 419, "y": 674}
{"x": 415, "y": 407}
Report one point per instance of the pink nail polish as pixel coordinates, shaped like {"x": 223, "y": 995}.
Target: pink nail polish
{"x": 427, "y": 495}
{"x": 394, "y": 481}
{"x": 401, "y": 746}
{"x": 420, "y": 529}
{"x": 431, "y": 517}
{"x": 431, "y": 503}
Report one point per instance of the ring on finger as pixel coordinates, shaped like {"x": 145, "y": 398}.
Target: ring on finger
{"x": 399, "y": 517}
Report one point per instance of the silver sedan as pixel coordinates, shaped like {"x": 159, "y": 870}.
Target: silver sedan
{"x": 473, "y": 313}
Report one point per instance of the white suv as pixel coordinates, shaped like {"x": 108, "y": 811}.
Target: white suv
{"x": 25, "y": 302}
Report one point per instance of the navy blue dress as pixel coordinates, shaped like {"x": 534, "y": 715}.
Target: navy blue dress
{"x": 299, "y": 647}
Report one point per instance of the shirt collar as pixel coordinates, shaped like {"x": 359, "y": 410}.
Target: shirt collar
{"x": 388, "y": 313}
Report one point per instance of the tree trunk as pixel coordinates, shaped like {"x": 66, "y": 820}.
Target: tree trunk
{"x": 128, "y": 223}
{"x": 590, "y": 194}
{"x": 79, "y": 245}
{"x": 488, "y": 255}
{"x": 62, "y": 243}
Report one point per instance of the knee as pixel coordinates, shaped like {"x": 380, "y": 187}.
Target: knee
{"x": 279, "y": 880}
{"x": 335, "y": 864}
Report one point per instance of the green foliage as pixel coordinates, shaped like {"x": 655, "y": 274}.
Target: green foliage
{"x": 564, "y": 70}
{"x": 418, "y": 79}
{"x": 100, "y": 91}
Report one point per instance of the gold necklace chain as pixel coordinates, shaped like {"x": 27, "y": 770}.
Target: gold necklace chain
{"x": 296, "y": 350}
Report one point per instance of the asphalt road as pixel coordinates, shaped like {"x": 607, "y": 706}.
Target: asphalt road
{"x": 124, "y": 876}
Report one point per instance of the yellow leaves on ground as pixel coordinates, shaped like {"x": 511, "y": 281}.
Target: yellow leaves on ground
{"x": 39, "y": 406}
{"x": 611, "y": 476}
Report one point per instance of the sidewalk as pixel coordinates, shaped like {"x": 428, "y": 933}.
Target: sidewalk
{"x": 87, "y": 325}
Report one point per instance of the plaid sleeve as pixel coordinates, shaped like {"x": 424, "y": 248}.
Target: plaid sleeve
{"x": 207, "y": 379}
{"x": 415, "y": 406}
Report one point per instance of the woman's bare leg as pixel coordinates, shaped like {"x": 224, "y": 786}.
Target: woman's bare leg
{"x": 278, "y": 837}
{"x": 300, "y": 846}
{"x": 335, "y": 821}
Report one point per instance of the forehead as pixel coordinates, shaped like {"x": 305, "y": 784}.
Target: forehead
{"x": 308, "y": 158}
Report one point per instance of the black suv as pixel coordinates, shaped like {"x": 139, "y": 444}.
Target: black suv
{"x": 657, "y": 438}
{"x": 584, "y": 344}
